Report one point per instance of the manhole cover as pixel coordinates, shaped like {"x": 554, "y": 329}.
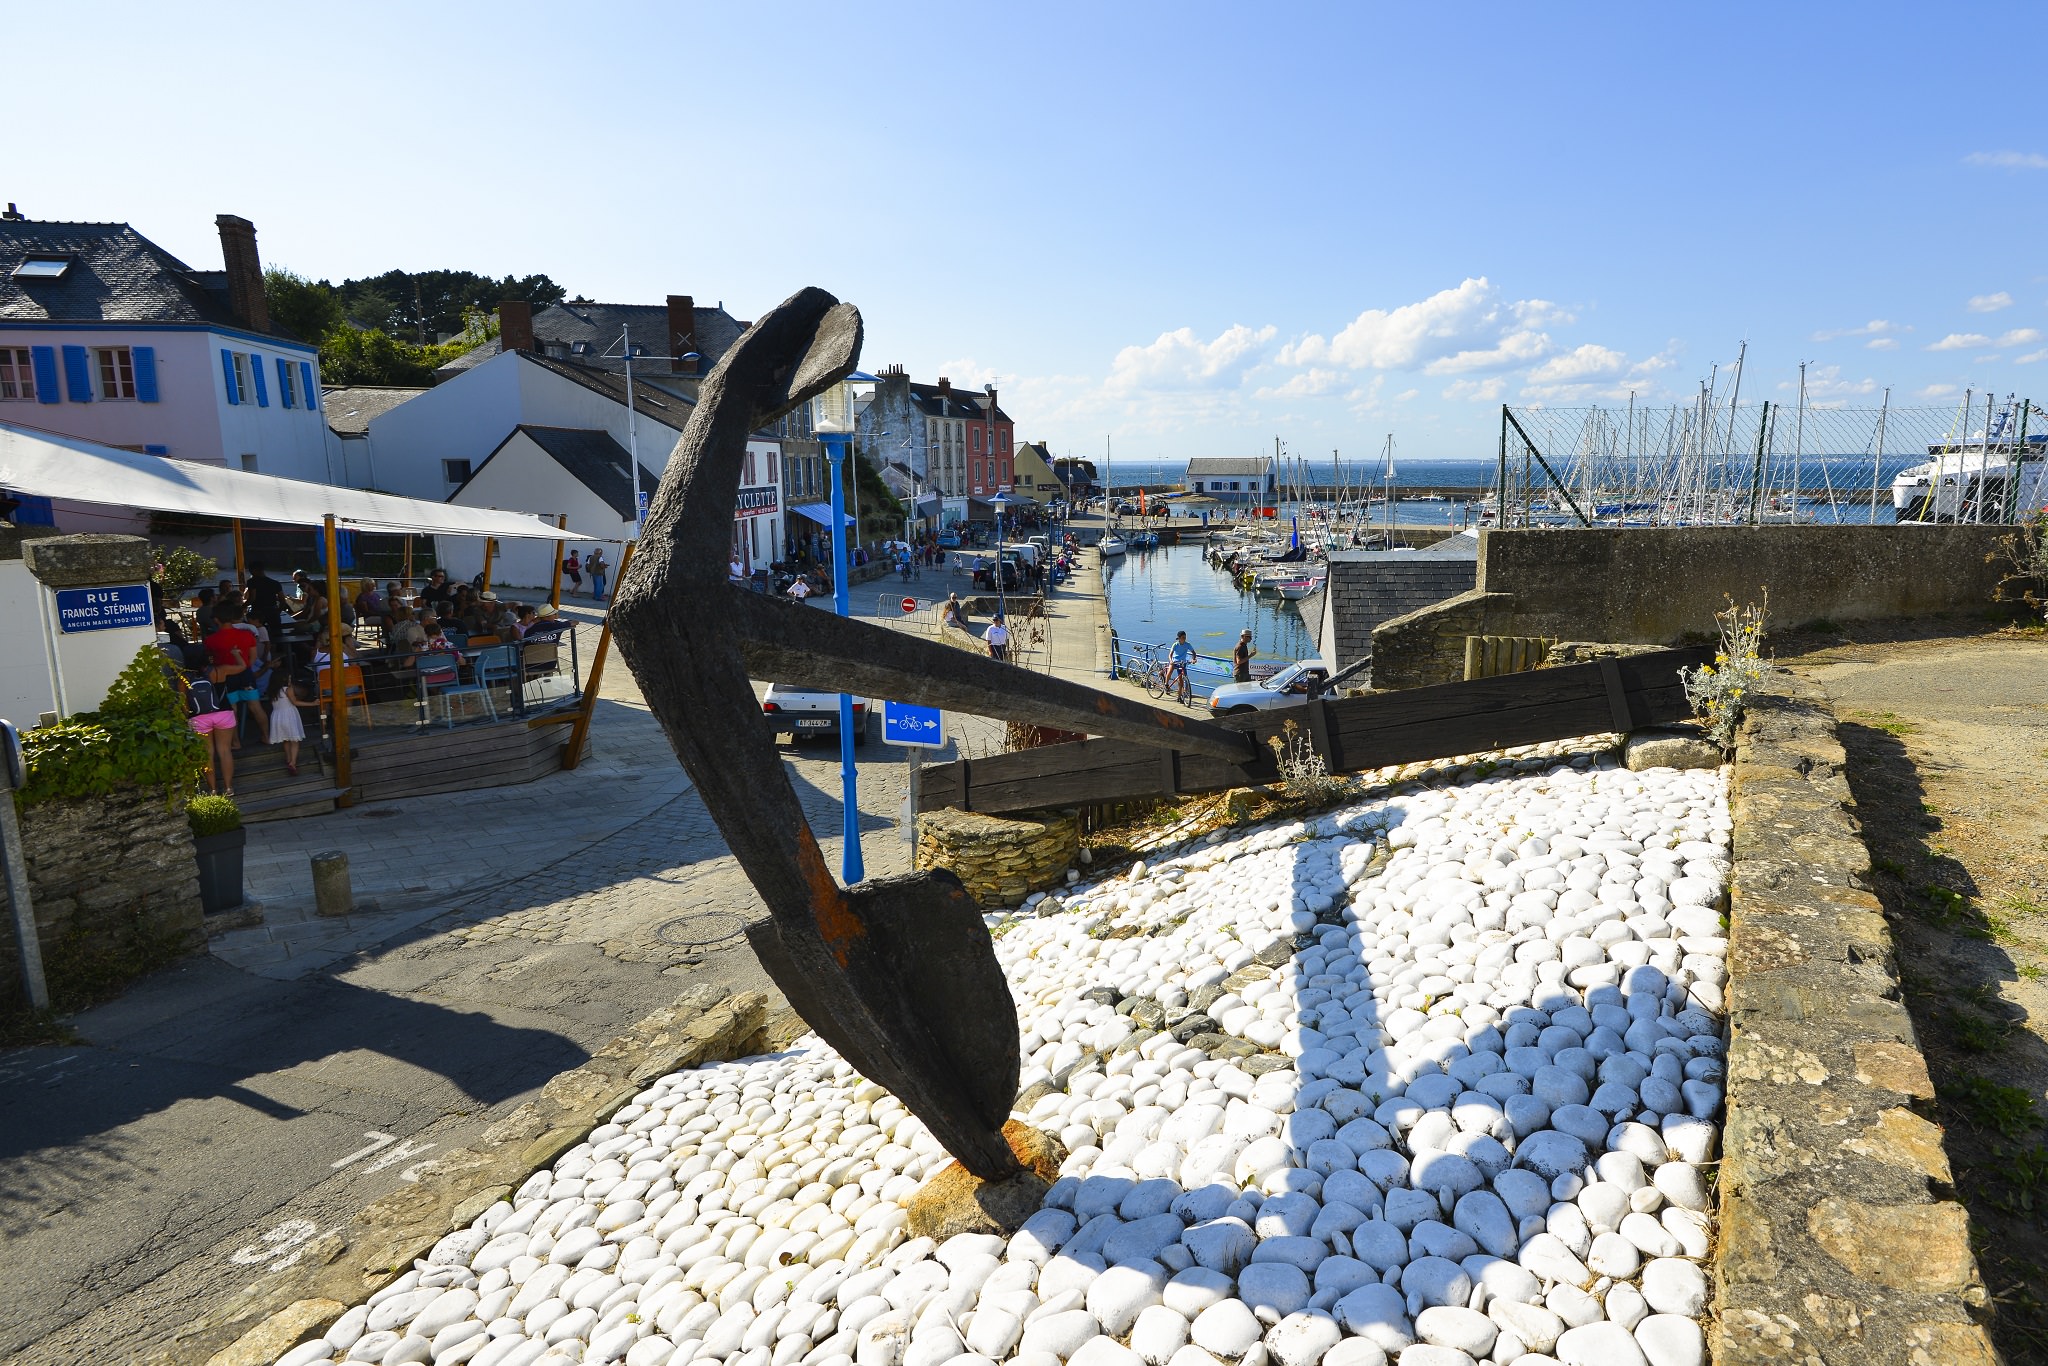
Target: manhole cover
{"x": 700, "y": 930}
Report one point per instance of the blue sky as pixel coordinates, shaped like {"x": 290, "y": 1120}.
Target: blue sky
{"x": 1191, "y": 227}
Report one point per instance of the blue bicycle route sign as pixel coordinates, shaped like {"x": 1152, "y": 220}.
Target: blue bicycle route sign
{"x": 903, "y": 724}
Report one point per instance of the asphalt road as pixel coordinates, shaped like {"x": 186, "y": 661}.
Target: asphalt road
{"x": 216, "y": 1120}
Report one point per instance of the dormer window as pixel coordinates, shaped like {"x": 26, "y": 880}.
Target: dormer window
{"x": 581, "y": 348}
{"x": 42, "y": 268}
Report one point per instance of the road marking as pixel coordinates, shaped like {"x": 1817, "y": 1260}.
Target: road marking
{"x": 279, "y": 1248}
{"x": 398, "y": 1154}
{"x": 377, "y": 1141}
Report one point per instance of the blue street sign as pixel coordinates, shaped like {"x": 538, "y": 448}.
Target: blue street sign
{"x": 903, "y": 724}
{"x": 103, "y": 609}
{"x": 643, "y": 507}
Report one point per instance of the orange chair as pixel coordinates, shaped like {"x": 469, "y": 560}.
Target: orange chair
{"x": 352, "y": 688}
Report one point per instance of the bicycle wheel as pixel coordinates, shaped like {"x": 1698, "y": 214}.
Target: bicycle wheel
{"x": 1155, "y": 683}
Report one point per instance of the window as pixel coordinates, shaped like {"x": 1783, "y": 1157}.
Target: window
{"x": 117, "y": 371}
{"x": 241, "y": 392}
{"x": 17, "y": 373}
{"x": 976, "y": 440}
{"x": 455, "y": 471}
{"x": 248, "y": 462}
{"x": 771, "y": 467}
{"x": 42, "y": 268}
{"x": 287, "y": 384}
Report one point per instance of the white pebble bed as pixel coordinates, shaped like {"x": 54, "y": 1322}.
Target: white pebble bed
{"x": 1491, "y": 1144}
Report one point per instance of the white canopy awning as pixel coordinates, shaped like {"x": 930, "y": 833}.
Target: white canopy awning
{"x": 51, "y": 466}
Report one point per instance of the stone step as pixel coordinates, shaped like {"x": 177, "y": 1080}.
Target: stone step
{"x": 298, "y": 801}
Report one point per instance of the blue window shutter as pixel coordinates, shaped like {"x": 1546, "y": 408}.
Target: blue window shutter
{"x": 77, "y": 375}
{"x": 43, "y": 360}
{"x": 145, "y": 373}
{"x": 284, "y": 381}
{"x": 262, "y": 390}
{"x": 227, "y": 369}
{"x": 312, "y": 390}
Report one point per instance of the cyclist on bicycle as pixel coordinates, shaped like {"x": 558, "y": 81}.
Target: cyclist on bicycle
{"x": 1178, "y": 661}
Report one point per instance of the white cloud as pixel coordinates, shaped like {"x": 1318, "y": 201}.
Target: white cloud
{"x": 2030, "y": 358}
{"x": 1989, "y": 303}
{"x": 1516, "y": 348}
{"x": 1825, "y": 382}
{"x": 1936, "y": 391}
{"x": 1400, "y": 338}
{"x": 1876, "y": 327}
{"x": 1541, "y": 313}
{"x": 2020, "y": 336}
{"x": 1586, "y": 362}
{"x": 1181, "y": 360}
{"x": 1882, "y": 344}
{"x": 1309, "y": 383}
{"x": 1961, "y": 341}
{"x": 2010, "y": 161}
{"x": 1477, "y": 390}
{"x": 1405, "y": 395}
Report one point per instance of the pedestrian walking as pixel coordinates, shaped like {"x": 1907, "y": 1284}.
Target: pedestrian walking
{"x": 1241, "y": 659}
{"x": 599, "y": 570}
{"x": 998, "y": 638}
{"x": 573, "y": 567}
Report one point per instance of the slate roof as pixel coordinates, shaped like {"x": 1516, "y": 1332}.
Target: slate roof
{"x": 349, "y": 408}
{"x": 595, "y": 460}
{"x": 598, "y": 326}
{"x": 965, "y": 404}
{"x": 1209, "y": 466}
{"x": 1368, "y": 587}
{"x": 669, "y": 409}
{"x": 116, "y": 275}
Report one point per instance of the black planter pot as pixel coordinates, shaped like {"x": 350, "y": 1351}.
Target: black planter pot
{"x": 220, "y": 869}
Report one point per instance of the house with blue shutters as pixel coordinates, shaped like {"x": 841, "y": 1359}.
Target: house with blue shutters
{"x": 107, "y": 337}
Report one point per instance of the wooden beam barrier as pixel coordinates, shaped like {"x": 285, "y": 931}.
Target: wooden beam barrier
{"x": 1361, "y": 733}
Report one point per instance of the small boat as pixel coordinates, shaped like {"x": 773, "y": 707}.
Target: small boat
{"x": 1298, "y": 589}
{"x": 1112, "y": 544}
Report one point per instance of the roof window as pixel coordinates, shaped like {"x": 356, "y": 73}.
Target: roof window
{"x": 580, "y": 348}
{"x": 42, "y": 268}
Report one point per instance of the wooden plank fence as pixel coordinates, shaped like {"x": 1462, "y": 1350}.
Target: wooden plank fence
{"x": 1352, "y": 734}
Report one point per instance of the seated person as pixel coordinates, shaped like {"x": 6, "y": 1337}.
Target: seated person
{"x": 524, "y": 618}
{"x": 371, "y": 605}
{"x": 435, "y": 639}
{"x": 405, "y": 636}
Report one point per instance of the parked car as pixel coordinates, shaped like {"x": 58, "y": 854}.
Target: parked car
{"x": 1291, "y": 687}
{"x": 802, "y": 714}
{"x": 949, "y": 540}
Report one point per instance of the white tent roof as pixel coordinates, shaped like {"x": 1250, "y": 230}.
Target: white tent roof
{"x": 51, "y": 466}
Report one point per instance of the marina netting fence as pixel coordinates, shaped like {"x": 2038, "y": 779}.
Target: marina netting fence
{"x": 1740, "y": 463}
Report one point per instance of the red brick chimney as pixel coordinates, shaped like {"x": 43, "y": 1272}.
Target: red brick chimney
{"x": 515, "y": 325}
{"x": 945, "y": 387}
{"x": 245, "y": 272}
{"x": 682, "y": 335}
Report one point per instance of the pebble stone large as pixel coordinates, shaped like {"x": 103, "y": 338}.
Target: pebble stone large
{"x": 1431, "y": 1078}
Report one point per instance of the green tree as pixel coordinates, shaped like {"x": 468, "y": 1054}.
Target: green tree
{"x": 436, "y": 301}
{"x": 308, "y": 309}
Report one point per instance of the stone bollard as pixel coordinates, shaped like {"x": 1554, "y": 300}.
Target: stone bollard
{"x": 331, "y": 894}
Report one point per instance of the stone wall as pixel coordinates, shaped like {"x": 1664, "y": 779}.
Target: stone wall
{"x": 1429, "y": 646}
{"x": 1000, "y": 860}
{"x": 113, "y": 878}
{"x": 1656, "y": 585}
{"x": 1367, "y": 588}
{"x": 1838, "y": 1240}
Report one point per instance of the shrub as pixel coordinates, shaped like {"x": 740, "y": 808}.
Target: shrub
{"x": 175, "y": 569}
{"x": 1717, "y": 691}
{"x": 211, "y": 815}
{"x": 139, "y": 737}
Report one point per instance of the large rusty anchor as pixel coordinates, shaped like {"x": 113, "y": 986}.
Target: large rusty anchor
{"x": 898, "y": 974}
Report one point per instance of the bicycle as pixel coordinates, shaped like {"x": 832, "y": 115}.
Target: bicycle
{"x": 1139, "y": 664}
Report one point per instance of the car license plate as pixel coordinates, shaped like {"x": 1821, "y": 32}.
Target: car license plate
{"x": 813, "y": 723}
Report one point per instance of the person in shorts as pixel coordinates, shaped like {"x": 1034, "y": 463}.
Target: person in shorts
{"x": 213, "y": 720}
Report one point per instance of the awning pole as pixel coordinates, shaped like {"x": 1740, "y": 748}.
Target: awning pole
{"x": 573, "y": 755}
{"x": 241, "y": 565}
{"x": 405, "y": 583}
{"x": 490, "y": 546}
{"x": 336, "y": 678}
{"x": 561, "y": 549}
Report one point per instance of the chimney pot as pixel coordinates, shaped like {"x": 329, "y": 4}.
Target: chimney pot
{"x": 515, "y": 325}
{"x": 682, "y": 335}
{"x": 244, "y": 271}
{"x": 13, "y": 215}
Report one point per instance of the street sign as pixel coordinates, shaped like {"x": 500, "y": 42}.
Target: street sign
{"x": 903, "y": 724}
{"x": 909, "y": 606}
{"x": 103, "y": 609}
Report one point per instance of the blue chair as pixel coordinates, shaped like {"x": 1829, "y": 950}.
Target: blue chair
{"x": 444, "y": 672}
{"x": 499, "y": 665}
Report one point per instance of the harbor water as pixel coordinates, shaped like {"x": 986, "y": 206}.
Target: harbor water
{"x": 1154, "y": 593}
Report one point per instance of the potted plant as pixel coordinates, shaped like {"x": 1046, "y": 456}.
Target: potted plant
{"x": 217, "y": 838}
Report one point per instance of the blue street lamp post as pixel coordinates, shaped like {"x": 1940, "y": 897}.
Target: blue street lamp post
{"x": 834, "y": 426}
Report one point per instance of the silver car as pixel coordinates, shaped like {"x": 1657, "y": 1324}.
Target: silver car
{"x": 1291, "y": 687}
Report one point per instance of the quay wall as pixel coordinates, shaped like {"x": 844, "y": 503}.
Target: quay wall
{"x": 1657, "y": 585}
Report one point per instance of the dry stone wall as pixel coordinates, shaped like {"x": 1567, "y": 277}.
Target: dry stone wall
{"x": 112, "y": 877}
{"x": 1000, "y": 860}
{"x": 1839, "y": 1241}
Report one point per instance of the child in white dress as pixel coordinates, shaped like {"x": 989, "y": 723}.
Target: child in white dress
{"x": 285, "y": 726}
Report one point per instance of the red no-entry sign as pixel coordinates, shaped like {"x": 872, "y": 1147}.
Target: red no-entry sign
{"x": 909, "y": 606}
